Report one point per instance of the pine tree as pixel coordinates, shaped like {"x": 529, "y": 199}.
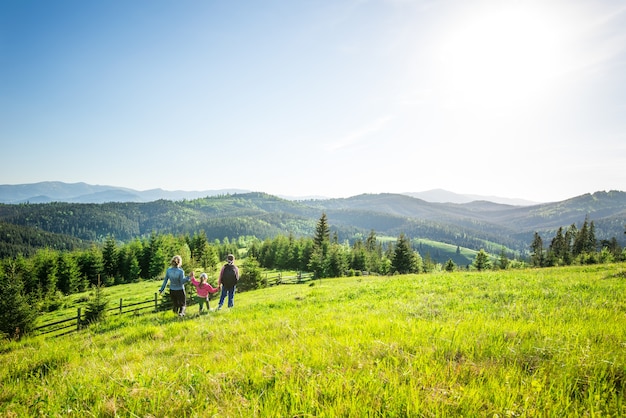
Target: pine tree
{"x": 251, "y": 276}
{"x": 581, "y": 240}
{"x": 404, "y": 260}
{"x": 128, "y": 263}
{"x": 295, "y": 255}
{"x": 110, "y": 260}
{"x": 570, "y": 237}
{"x": 559, "y": 248}
{"x": 536, "y": 248}
{"x": 17, "y": 316}
{"x": 322, "y": 232}
{"x": 374, "y": 253}
{"x": 371, "y": 241}
{"x": 198, "y": 245}
{"x": 337, "y": 261}
{"x": 319, "y": 262}
{"x": 428, "y": 263}
{"x": 96, "y": 306}
{"x": 158, "y": 264}
{"x": 45, "y": 272}
{"x": 90, "y": 265}
{"x": 358, "y": 256}
{"x": 69, "y": 278}
{"x": 591, "y": 244}
{"x": 481, "y": 262}
{"x": 449, "y": 266}
{"x": 503, "y": 261}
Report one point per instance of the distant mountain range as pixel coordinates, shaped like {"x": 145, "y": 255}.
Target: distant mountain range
{"x": 56, "y": 191}
{"x": 233, "y": 213}
{"x": 444, "y": 196}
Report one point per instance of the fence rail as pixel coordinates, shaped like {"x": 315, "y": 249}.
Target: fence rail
{"x": 75, "y": 323}
{"x": 278, "y": 278}
{"x": 65, "y": 324}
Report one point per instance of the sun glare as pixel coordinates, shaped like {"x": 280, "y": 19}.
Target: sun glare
{"x": 502, "y": 57}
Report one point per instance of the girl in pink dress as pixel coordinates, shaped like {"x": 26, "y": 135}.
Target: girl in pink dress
{"x": 203, "y": 290}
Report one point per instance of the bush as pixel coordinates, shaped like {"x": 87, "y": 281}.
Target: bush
{"x": 250, "y": 276}
{"x": 97, "y": 305}
{"x": 605, "y": 256}
{"x": 54, "y": 302}
{"x": 587, "y": 258}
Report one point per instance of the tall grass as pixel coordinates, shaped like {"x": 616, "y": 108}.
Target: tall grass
{"x": 548, "y": 342}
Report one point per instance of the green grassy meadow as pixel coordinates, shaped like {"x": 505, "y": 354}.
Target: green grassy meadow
{"x": 518, "y": 343}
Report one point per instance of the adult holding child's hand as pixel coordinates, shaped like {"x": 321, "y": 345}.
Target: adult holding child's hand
{"x": 176, "y": 277}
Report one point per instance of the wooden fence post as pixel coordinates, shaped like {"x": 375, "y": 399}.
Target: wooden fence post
{"x": 120, "y": 306}
{"x": 78, "y": 320}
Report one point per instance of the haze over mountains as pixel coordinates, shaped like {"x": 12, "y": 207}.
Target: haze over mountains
{"x": 55, "y": 191}
{"x": 478, "y": 224}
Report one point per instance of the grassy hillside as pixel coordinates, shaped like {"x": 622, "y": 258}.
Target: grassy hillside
{"x": 440, "y": 251}
{"x": 546, "y": 342}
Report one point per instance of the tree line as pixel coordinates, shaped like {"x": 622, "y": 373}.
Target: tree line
{"x": 575, "y": 246}
{"x": 31, "y": 284}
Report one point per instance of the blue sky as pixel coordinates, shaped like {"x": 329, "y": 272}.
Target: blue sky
{"x": 520, "y": 99}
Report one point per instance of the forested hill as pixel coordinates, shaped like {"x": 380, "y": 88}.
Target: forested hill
{"x": 473, "y": 225}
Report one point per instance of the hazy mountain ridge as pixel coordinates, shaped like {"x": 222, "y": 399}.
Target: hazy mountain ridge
{"x": 445, "y": 196}
{"x": 56, "y": 191}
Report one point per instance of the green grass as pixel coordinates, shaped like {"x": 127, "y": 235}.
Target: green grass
{"x": 130, "y": 293}
{"x": 529, "y": 343}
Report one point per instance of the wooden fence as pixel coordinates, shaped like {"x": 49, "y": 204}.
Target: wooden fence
{"x": 66, "y": 326}
{"x": 278, "y": 278}
{"x": 69, "y": 325}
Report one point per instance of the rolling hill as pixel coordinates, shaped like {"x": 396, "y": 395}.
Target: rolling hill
{"x": 474, "y": 225}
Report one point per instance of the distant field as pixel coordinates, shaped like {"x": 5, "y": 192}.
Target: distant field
{"x": 519, "y": 343}
{"x": 441, "y": 252}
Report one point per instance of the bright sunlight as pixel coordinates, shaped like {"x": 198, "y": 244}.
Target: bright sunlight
{"x": 504, "y": 56}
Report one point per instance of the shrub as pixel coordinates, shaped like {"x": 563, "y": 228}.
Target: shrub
{"x": 54, "y": 302}
{"x": 97, "y": 305}
{"x": 250, "y": 276}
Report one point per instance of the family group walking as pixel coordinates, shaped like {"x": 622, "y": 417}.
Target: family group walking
{"x": 227, "y": 281}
